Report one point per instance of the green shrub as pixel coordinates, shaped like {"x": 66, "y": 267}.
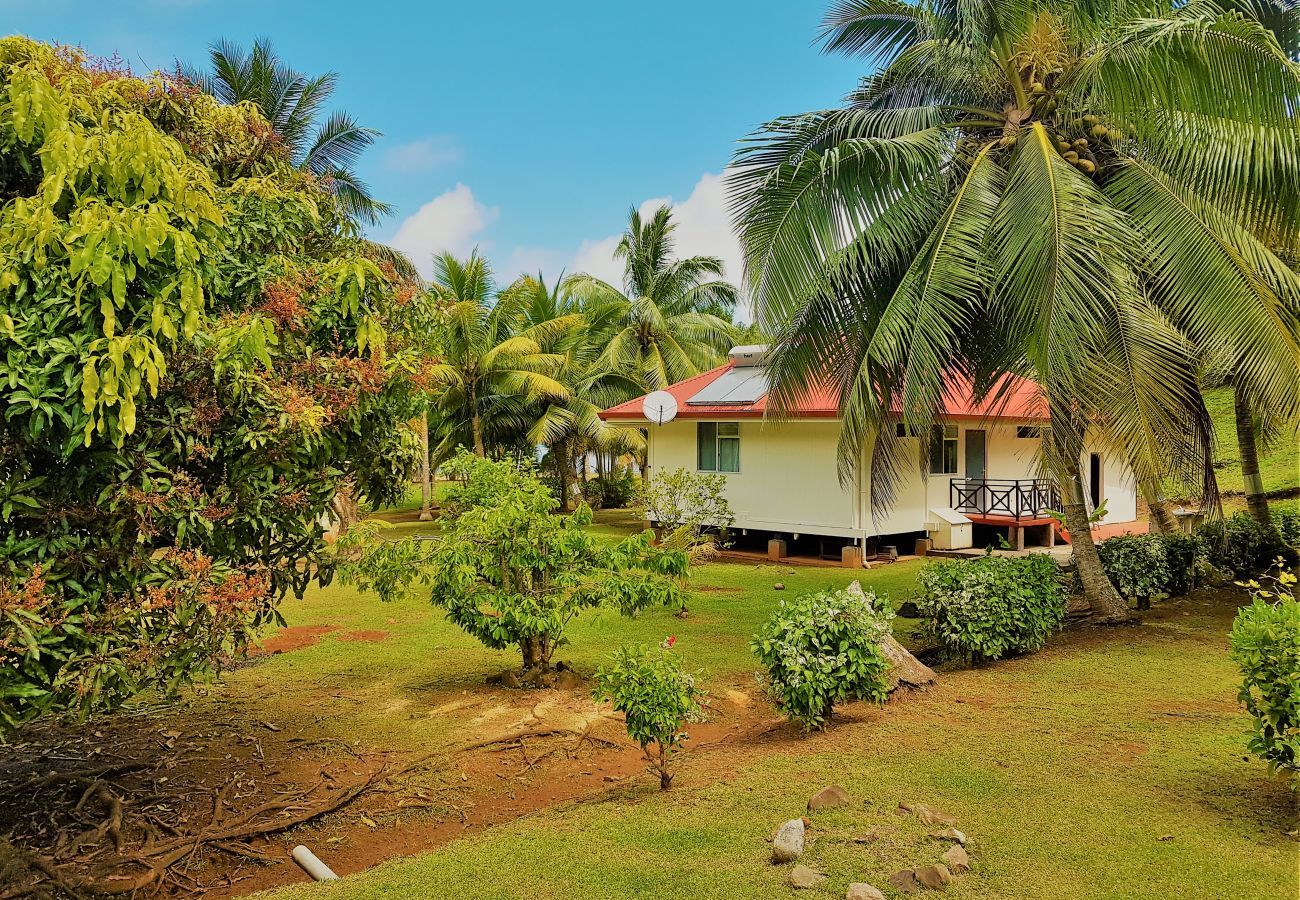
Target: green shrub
{"x": 824, "y": 648}
{"x": 1265, "y": 645}
{"x": 656, "y": 696}
{"x": 1239, "y": 544}
{"x": 1287, "y": 522}
{"x": 994, "y": 606}
{"x": 613, "y": 490}
{"x": 1146, "y": 567}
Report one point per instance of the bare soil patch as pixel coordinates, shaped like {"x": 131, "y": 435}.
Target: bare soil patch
{"x": 373, "y": 636}
{"x": 296, "y": 637}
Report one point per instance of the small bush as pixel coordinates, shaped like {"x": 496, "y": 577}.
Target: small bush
{"x": 613, "y": 490}
{"x": 1287, "y": 523}
{"x": 1265, "y": 645}
{"x": 1239, "y": 544}
{"x": 656, "y": 696}
{"x": 992, "y": 607}
{"x": 825, "y": 648}
{"x": 1146, "y": 567}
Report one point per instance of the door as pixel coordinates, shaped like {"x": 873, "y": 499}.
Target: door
{"x": 975, "y": 455}
{"x": 1094, "y": 479}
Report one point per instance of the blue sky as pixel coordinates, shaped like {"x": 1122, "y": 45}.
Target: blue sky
{"x": 528, "y": 128}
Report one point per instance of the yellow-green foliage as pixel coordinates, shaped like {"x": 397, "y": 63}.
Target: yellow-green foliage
{"x": 192, "y": 360}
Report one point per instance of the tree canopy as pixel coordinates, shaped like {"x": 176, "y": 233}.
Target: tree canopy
{"x": 195, "y": 352}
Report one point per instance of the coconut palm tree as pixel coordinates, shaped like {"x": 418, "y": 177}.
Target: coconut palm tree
{"x": 571, "y": 426}
{"x": 1068, "y": 191}
{"x": 671, "y": 319}
{"x": 293, "y": 104}
{"x": 490, "y": 372}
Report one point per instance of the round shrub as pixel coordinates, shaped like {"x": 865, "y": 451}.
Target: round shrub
{"x": 1239, "y": 544}
{"x": 1146, "y": 567}
{"x": 1265, "y": 645}
{"x": 824, "y": 648}
{"x": 992, "y": 607}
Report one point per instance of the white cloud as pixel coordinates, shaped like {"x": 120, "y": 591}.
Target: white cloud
{"x": 703, "y": 229}
{"x": 422, "y": 155}
{"x": 449, "y": 222}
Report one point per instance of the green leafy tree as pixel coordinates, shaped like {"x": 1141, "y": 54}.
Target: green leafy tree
{"x": 513, "y": 573}
{"x": 194, "y": 355}
{"x": 293, "y": 104}
{"x": 657, "y": 698}
{"x": 1067, "y": 191}
{"x": 671, "y": 320}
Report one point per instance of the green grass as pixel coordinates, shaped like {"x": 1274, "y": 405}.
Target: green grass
{"x": 1279, "y": 465}
{"x": 1109, "y": 765}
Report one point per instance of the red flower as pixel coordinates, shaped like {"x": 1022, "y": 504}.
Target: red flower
{"x": 668, "y": 642}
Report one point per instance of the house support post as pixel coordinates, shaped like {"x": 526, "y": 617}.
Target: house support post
{"x": 851, "y": 557}
{"x": 776, "y": 549}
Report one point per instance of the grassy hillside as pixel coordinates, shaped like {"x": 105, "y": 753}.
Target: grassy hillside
{"x": 1279, "y": 464}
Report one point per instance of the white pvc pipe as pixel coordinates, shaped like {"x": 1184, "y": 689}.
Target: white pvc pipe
{"x": 312, "y": 865}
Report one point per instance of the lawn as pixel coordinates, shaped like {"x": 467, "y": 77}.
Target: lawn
{"x": 1109, "y": 765}
{"x": 1279, "y": 465}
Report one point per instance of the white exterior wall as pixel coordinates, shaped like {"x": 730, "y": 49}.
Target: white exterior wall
{"x": 788, "y": 479}
{"x": 789, "y": 482}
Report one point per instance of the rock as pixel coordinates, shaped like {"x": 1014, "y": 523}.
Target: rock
{"x": 510, "y": 679}
{"x": 802, "y": 878}
{"x": 934, "y": 877}
{"x": 568, "y": 680}
{"x": 904, "y": 668}
{"x": 905, "y": 881}
{"x": 860, "y": 890}
{"x": 909, "y": 611}
{"x": 788, "y": 843}
{"x": 778, "y": 586}
{"x": 949, "y": 834}
{"x": 957, "y": 859}
{"x": 828, "y": 797}
{"x": 927, "y": 815}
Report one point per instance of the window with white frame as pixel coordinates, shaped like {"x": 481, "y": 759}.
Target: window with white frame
{"x": 717, "y": 446}
{"x": 943, "y": 450}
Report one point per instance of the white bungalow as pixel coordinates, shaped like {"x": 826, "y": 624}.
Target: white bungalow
{"x": 782, "y": 478}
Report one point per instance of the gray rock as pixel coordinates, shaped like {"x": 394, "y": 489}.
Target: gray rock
{"x": 568, "y": 680}
{"x": 935, "y": 877}
{"x": 828, "y": 797}
{"x": 860, "y": 890}
{"x": 957, "y": 859}
{"x": 905, "y": 881}
{"x": 778, "y": 586}
{"x": 787, "y": 845}
{"x": 950, "y": 834}
{"x": 801, "y": 878}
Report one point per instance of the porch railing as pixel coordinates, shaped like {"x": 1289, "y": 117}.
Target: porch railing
{"x": 1016, "y": 498}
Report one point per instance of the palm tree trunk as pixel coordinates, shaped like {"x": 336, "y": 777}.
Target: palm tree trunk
{"x": 426, "y": 471}
{"x": 476, "y": 423}
{"x": 564, "y": 468}
{"x": 1248, "y": 449}
{"x": 1107, "y": 605}
{"x": 1160, "y": 514}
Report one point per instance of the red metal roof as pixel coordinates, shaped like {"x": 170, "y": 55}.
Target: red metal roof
{"x": 1022, "y": 401}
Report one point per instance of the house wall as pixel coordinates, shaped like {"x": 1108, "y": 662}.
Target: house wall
{"x": 788, "y": 479}
{"x": 789, "y": 482}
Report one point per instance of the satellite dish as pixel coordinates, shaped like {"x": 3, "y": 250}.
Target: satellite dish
{"x": 659, "y": 407}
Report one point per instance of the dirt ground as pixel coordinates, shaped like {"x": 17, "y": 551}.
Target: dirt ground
{"x": 103, "y": 807}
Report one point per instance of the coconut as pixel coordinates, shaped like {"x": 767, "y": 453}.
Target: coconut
{"x": 1090, "y": 120}
{"x": 1038, "y": 88}
{"x": 1062, "y": 146}
{"x": 1081, "y": 144}
{"x": 1087, "y": 166}
{"x": 1071, "y": 157}
{"x": 1114, "y": 135}
{"x": 1100, "y": 131}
